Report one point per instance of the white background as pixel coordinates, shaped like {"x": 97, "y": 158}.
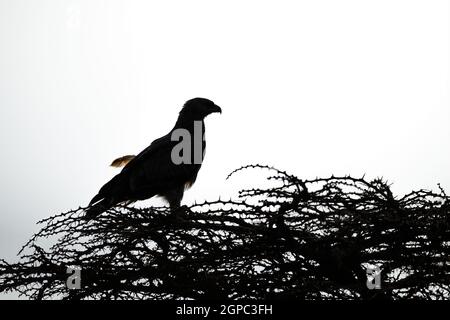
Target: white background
{"x": 312, "y": 87}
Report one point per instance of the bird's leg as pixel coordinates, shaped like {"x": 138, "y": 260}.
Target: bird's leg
{"x": 174, "y": 197}
{"x": 179, "y": 211}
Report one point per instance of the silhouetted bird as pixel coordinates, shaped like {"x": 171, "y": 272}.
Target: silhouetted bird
{"x": 153, "y": 172}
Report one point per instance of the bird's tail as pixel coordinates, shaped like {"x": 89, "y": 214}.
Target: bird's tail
{"x": 97, "y": 207}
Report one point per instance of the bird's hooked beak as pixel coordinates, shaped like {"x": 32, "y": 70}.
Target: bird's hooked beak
{"x": 218, "y": 109}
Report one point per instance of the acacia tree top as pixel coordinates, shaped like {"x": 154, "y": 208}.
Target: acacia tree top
{"x": 301, "y": 239}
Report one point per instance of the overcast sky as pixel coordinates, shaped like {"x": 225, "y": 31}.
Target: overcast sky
{"x": 312, "y": 87}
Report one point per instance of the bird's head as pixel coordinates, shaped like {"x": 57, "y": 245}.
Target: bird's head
{"x": 199, "y": 108}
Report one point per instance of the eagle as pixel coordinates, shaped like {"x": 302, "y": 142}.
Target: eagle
{"x": 153, "y": 172}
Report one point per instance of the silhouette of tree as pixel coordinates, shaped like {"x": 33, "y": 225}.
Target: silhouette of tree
{"x": 302, "y": 239}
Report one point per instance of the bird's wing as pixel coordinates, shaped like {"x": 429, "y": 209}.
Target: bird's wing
{"x": 118, "y": 186}
{"x": 153, "y": 169}
{"x": 151, "y": 172}
{"x": 162, "y": 143}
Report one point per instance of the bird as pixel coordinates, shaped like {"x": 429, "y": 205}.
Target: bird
{"x": 153, "y": 172}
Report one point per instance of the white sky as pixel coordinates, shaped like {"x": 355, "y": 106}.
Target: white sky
{"x": 312, "y": 87}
